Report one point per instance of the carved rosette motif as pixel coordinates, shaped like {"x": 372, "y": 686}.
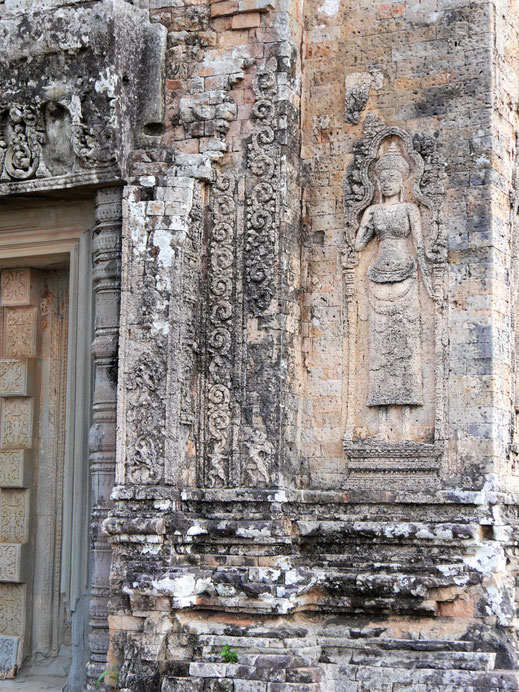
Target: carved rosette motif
{"x": 220, "y": 347}
{"x": 262, "y": 196}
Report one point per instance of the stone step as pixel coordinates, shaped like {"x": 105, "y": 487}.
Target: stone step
{"x": 252, "y": 643}
{"x": 354, "y": 678}
{"x": 271, "y": 644}
{"x": 200, "y": 531}
{"x": 424, "y": 533}
{"x": 396, "y": 584}
{"x": 374, "y": 676}
{"x": 417, "y": 645}
{"x": 438, "y": 660}
{"x": 178, "y": 684}
{"x": 345, "y": 565}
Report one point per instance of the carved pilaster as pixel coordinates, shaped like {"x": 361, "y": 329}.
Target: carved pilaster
{"x": 106, "y": 251}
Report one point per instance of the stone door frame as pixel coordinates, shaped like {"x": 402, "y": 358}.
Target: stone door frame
{"x": 85, "y": 231}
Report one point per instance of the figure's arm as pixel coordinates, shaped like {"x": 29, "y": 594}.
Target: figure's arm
{"x": 366, "y": 230}
{"x": 415, "y": 220}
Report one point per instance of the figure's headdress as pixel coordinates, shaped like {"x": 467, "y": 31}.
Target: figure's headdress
{"x": 393, "y": 159}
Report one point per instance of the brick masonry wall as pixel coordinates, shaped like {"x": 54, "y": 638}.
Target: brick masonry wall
{"x": 503, "y": 160}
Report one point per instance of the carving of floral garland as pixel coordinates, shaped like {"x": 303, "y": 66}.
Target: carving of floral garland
{"x": 262, "y": 202}
{"x": 219, "y": 334}
{"x": 23, "y": 139}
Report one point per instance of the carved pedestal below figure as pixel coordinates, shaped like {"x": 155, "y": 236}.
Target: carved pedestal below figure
{"x": 405, "y": 465}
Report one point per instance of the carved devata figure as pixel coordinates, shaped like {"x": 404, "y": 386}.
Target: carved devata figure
{"x": 395, "y": 363}
{"x": 394, "y": 269}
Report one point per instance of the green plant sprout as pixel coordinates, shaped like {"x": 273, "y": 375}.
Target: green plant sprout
{"x": 228, "y": 655}
{"x": 113, "y": 674}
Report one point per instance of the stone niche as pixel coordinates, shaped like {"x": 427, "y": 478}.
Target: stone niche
{"x": 74, "y": 101}
{"x": 394, "y": 268}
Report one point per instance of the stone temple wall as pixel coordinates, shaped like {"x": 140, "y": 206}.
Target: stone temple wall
{"x": 315, "y": 484}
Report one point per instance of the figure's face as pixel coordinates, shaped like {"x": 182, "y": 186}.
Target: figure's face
{"x": 391, "y": 182}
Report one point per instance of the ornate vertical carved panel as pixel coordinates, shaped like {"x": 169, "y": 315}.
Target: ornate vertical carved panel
{"x": 262, "y": 196}
{"x": 394, "y": 268}
{"x": 106, "y": 254}
{"x": 242, "y": 395}
{"x": 220, "y": 334}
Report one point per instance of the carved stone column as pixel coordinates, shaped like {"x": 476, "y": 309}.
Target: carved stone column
{"x": 106, "y": 252}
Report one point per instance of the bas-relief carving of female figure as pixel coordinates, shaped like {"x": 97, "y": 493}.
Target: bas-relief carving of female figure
{"x": 394, "y": 328}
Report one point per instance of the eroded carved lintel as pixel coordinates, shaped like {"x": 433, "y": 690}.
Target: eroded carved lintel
{"x": 62, "y": 98}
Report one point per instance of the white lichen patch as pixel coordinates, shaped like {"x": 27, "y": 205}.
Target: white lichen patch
{"x": 252, "y": 532}
{"x": 330, "y": 7}
{"x": 162, "y": 241}
{"x": 183, "y": 589}
{"x": 487, "y": 558}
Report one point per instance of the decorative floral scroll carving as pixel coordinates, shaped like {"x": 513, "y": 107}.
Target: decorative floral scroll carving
{"x": 8, "y": 656}
{"x": 191, "y": 268}
{"x": 11, "y": 467}
{"x": 22, "y": 147}
{"x": 220, "y": 335}
{"x": 13, "y": 377}
{"x": 43, "y": 139}
{"x": 262, "y": 195}
{"x": 147, "y": 408}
